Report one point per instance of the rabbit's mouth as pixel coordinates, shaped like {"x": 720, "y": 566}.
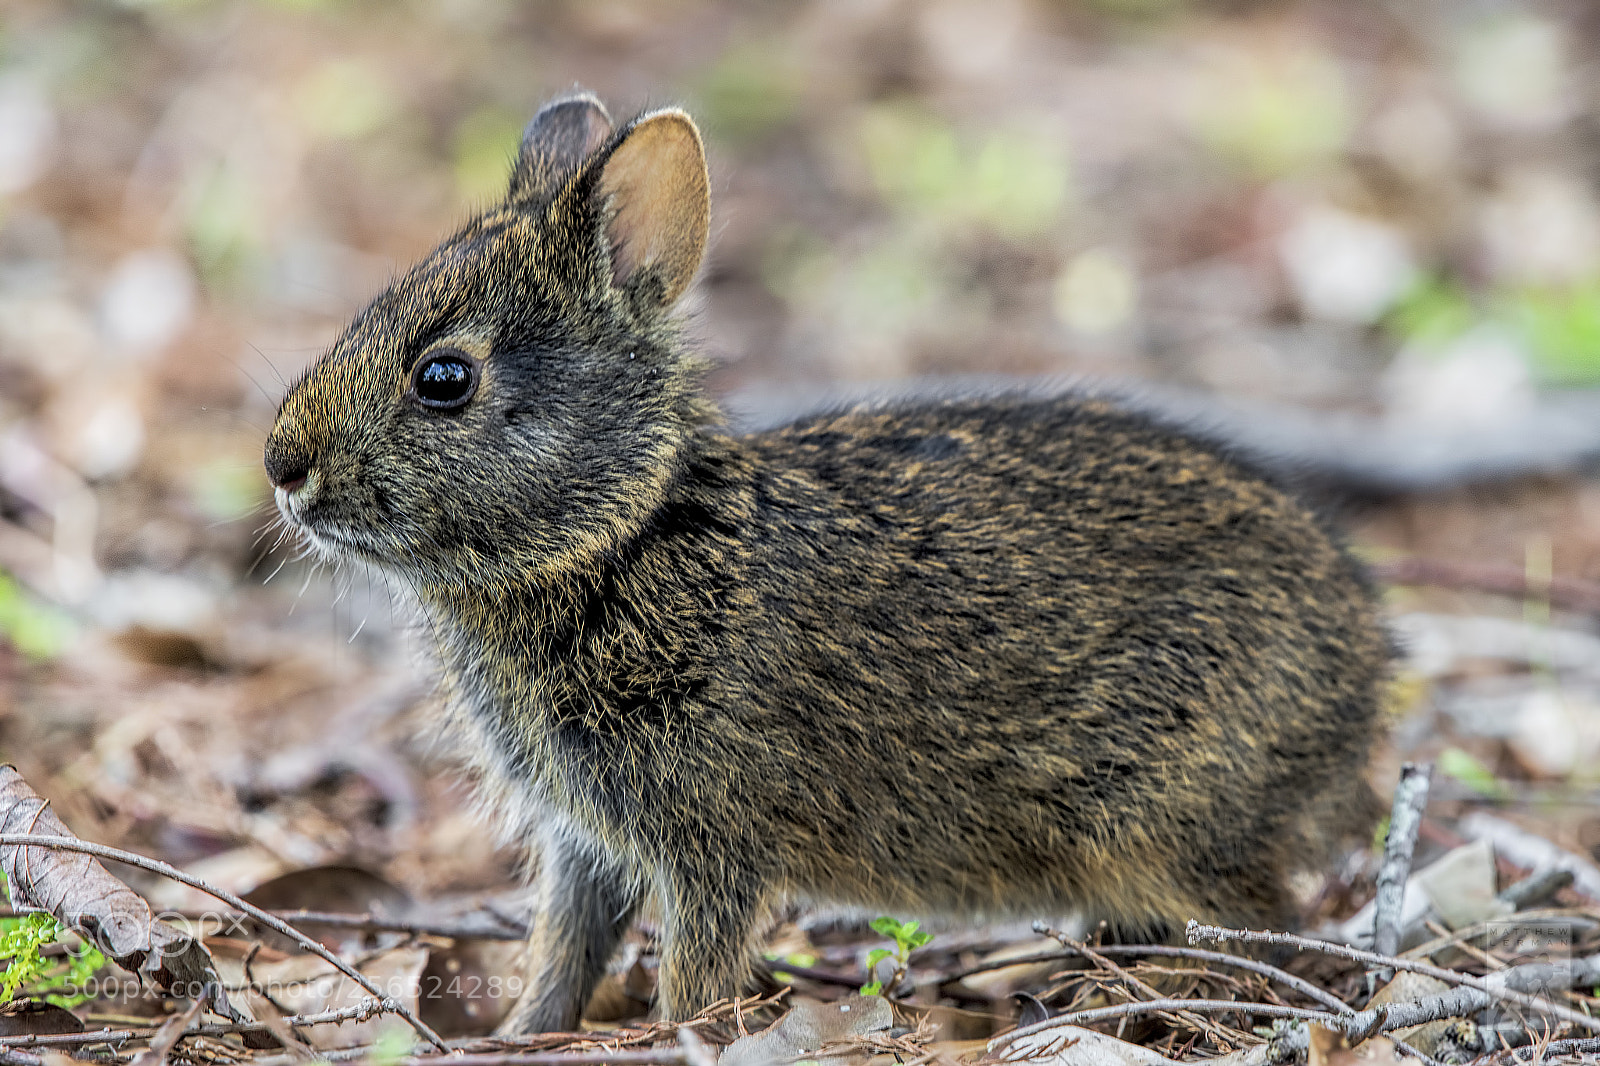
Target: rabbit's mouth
{"x": 336, "y": 543}
{"x": 332, "y": 535}
{"x": 330, "y": 539}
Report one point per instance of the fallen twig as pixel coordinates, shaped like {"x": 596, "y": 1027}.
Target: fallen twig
{"x": 1537, "y": 887}
{"x": 1169, "y": 1006}
{"x": 390, "y": 1004}
{"x": 1495, "y": 988}
{"x": 1077, "y": 947}
{"x": 1525, "y": 849}
{"x": 552, "y": 1058}
{"x": 367, "y": 1008}
{"x": 621, "y": 1057}
{"x": 1273, "y": 973}
{"x": 485, "y": 927}
{"x": 1574, "y": 918}
{"x": 1585, "y": 1046}
{"x": 97, "y": 1036}
{"x": 1410, "y": 797}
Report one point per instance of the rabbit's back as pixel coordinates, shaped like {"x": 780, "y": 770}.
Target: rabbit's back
{"x": 1054, "y": 639}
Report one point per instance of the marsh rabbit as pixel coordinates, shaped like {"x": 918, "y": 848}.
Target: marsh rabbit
{"x": 989, "y": 657}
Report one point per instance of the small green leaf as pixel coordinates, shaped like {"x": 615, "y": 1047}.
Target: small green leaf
{"x": 1453, "y": 762}
{"x": 877, "y": 955}
{"x": 916, "y": 940}
{"x": 1434, "y": 312}
{"x": 872, "y": 988}
{"x": 36, "y": 630}
{"x": 1562, "y": 327}
{"x": 885, "y": 925}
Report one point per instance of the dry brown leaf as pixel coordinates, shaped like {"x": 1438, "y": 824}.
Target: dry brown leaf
{"x": 166, "y": 1037}
{"x": 85, "y": 897}
{"x": 1070, "y": 1045}
{"x": 470, "y": 985}
{"x": 1330, "y": 1048}
{"x": 31, "y": 1017}
{"x": 339, "y": 889}
{"x": 1407, "y": 987}
{"x": 807, "y": 1028}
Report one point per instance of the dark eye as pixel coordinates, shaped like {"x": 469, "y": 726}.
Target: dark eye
{"x": 445, "y": 379}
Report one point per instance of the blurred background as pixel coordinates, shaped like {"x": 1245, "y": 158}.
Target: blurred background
{"x": 1377, "y": 220}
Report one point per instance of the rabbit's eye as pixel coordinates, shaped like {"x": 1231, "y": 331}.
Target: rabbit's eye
{"x": 445, "y": 379}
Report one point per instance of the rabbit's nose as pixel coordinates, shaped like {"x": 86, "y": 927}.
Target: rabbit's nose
{"x": 286, "y": 467}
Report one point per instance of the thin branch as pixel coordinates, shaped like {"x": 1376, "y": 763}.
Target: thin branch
{"x": 98, "y": 1036}
{"x": 483, "y": 927}
{"x": 1410, "y": 797}
{"x": 1169, "y": 1006}
{"x": 1304, "y": 987}
{"x": 100, "y": 851}
{"x": 553, "y": 1058}
{"x": 618, "y": 1057}
{"x": 622, "y": 1057}
{"x": 1266, "y": 970}
{"x": 1498, "y": 925}
{"x": 480, "y": 925}
{"x": 1077, "y": 947}
{"x": 1538, "y": 887}
{"x": 358, "y": 1013}
{"x": 1585, "y": 1046}
{"x": 1273, "y": 973}
{"x": 1495, "y": 989}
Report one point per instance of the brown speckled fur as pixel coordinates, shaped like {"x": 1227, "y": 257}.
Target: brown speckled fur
{"x": 1005, "y": 656}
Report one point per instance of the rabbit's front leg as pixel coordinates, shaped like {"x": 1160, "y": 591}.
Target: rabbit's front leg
{"x": 585, "y": 905}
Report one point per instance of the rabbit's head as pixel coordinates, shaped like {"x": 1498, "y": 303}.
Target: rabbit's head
{"x": 517, "y": 403}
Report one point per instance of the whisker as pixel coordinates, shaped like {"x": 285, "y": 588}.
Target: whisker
{"x": 277, "y": 570}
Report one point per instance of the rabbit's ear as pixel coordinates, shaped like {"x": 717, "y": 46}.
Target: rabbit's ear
{"x": 658, "y": 200}
{"x": 561, "y": 136}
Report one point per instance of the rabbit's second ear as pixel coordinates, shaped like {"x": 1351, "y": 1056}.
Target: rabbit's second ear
{"x": 562, "y": 135}
{"x": 659, "y": 200}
